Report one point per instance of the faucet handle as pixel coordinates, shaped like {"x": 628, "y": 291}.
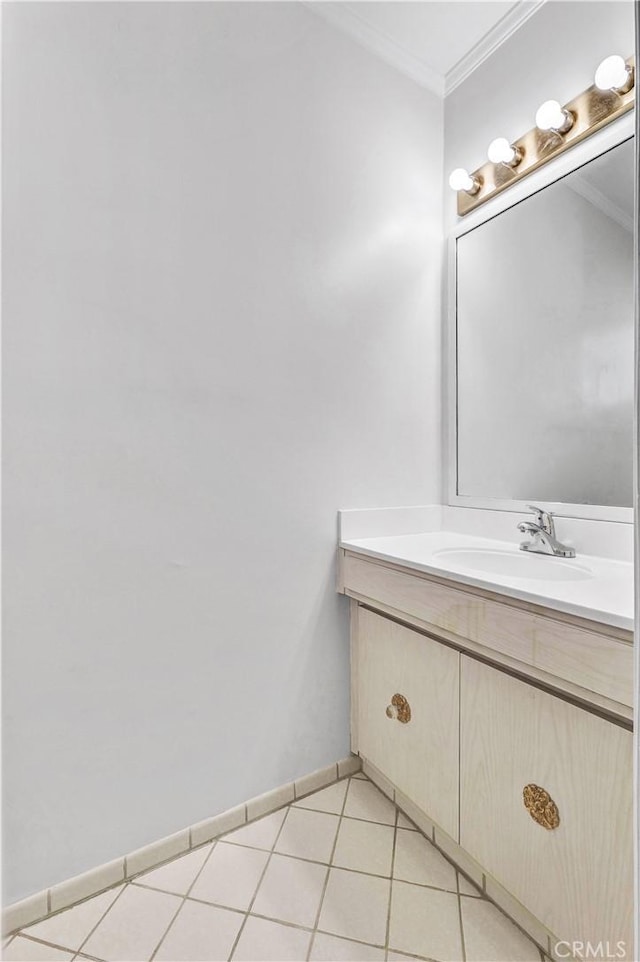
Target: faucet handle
{"x": 543, "y": 518}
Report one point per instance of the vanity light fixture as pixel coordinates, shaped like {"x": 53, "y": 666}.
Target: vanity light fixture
{"x": 614, "y": 74}
{"x": 460, "y": 179}
{"x": 551, "y": 116}
{"x": 502, "y": 152}
{"x": 558, "y": 128}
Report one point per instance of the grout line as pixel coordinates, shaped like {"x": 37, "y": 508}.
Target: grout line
{"x": 462, "y": 941}
{"x": 54, "y": 945}
{"x": 350, "y": 938}
{"x": 194, "y": 898}
{"x": 352, "y": 871}
{"x": 183, "y": 899}
{"x": 50, "y": 945}
{"x": 331, "y": 857}
{"x": 286, "y": 922}
{"x": 260, "y": 881}
{"x": 311, "y": 861}
{"x": 393, "y": 862}
{"x": 356, "y": 818}
{"x": 101, "y": 919}
{"x": 412, "y": 955}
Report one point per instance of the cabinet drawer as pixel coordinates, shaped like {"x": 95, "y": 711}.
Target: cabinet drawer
{"x": 418, "y": 754}
{"x": 577, "y": 878}
{"x": 500, "y": 627}
{"x": 590, "y": 659}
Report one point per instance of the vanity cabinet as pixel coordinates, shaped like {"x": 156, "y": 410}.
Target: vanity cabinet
{"x": 407, "y": 707}
{"x": 572, "y": 864}
{"x": 484, "y": 713}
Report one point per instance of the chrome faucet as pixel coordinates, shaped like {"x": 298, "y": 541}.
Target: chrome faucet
{"x": 543, "y": 532}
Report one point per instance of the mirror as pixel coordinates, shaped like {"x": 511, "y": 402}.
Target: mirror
{"x": 545, "y": 343}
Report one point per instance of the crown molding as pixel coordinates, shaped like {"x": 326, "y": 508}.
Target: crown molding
{"x": 487, "y": 45}
{"x": 378, "y": 42}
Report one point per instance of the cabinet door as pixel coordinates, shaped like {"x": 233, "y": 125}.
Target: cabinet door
{"x": 418, "y": 754}
{"x": 577, "y": 878}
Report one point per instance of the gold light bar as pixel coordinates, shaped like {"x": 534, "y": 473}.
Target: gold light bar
{"x": 591, "y": 109}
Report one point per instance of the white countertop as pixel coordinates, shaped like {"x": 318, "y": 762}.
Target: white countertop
{"x": 604, "y": 593}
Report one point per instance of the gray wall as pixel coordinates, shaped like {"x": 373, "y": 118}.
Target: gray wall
{"x": 222, "y": 256}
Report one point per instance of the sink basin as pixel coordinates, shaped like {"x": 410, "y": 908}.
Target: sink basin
{"x": 513, "y": 564}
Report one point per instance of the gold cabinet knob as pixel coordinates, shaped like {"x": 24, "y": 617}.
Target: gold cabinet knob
{"x": 541, "y": 806}
{"x": 399, "y": 709}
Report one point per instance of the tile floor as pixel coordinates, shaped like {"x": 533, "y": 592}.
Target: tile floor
{"x": 339, "y": 875}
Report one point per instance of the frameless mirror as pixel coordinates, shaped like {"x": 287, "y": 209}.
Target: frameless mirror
{"x": 545, "y": 343}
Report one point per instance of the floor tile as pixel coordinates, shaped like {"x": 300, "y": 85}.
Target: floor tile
{"x": 329, "y": 948}
{"x": 355, "y": 906}
{"x": 403, "y": 822}
{"x": 488, "y": 934}
{"x": 271, "y": 942}
{"x": 364, "y": 800}
{"x": 133, "y": 926}
{"x": 425, "y": 922}
{"x": 230, "y": 876}
{"x": 364, "y": 847}
{"x": 466, "y": 888}
{"x": 290, "y": 891}
{"x": 71, "y": 927}
{"x": 417, "y": 860}
{"x": 259, "y": 834}
{"x": 177, "y": 876}
{"x": 308, "y": 835}
{"x": 328, "y": 799}
{"x": 200, "y": 933}
{"x": 24, "y": 950}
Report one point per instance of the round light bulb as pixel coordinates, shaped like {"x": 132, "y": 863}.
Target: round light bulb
{"x": 502, "y": 152}
{"x": 460, "y": 179}
{"x": 614, "y": 74}
{"x": 551, "y": 116}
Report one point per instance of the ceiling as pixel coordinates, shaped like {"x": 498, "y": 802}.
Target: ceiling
{"x": 436, "y": 42}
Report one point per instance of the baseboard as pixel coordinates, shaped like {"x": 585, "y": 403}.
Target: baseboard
{"x": 41, "y": 905}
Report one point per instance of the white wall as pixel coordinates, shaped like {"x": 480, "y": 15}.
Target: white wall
{"x": 222, "y": 262}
